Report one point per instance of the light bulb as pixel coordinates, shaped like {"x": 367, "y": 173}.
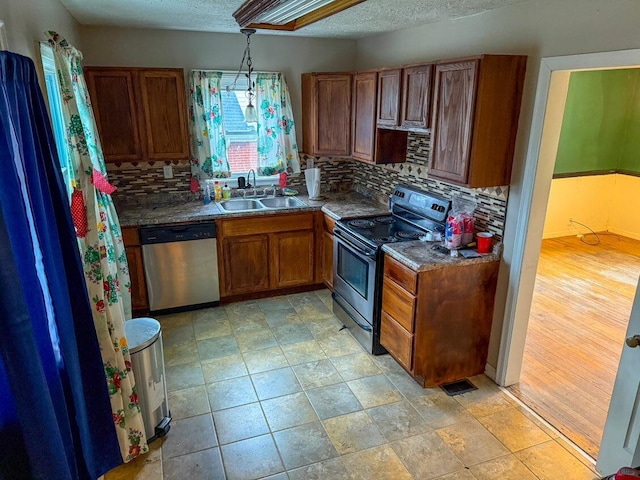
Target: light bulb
{"x": 250, "y": 115}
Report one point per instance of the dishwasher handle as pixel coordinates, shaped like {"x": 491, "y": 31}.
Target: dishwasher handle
{"x": 177, "y": 233}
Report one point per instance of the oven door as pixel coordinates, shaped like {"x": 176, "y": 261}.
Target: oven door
{"x": 354, "y": 274}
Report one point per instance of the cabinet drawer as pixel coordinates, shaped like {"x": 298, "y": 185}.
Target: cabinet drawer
{"x": 130, "y": 237}
{"x": 398, "y": 303}
{"x": 400, "y": 274}
{"x": 397, "y": 341}
{"x": 266, "y": 224}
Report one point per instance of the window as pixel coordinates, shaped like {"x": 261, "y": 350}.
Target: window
{"x": 242, "y": 137}
{"x": 55, "y": 109}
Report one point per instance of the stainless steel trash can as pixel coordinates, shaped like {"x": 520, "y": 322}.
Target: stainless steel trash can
{"x": 144, "y": 337}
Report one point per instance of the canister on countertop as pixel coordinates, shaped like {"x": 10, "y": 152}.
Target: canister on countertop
{"x": 453, "y": 232}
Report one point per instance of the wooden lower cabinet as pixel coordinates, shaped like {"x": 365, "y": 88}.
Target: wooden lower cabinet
{"x": 292, "y": 259}
{"x": 139, "y": 299}
{"x": 397, "y": 340}
{"x": 266, "y": 253}
{"x": 327, "y": 251}
{"x": 441, "y": 333}
{"x": 246, "y": 264}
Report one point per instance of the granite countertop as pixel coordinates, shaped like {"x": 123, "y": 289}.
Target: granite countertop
{"x": 417, "y": 255}
{"x": 339, "y": 206}
{"x": 421, "y": 256}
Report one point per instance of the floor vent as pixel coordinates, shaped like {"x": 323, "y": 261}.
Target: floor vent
{"x": 458, "y": 388}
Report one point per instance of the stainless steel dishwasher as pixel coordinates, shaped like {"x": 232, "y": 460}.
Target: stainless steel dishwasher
{"x": 180, "y": 265}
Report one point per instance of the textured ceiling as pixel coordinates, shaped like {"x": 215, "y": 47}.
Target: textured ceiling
{"x": 368, "y": 18}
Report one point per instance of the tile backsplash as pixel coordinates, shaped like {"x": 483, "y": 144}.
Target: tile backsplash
{"x": 144, "y": 178}
{"x": 136, "y": 180}
{"x": 378, "y": 181}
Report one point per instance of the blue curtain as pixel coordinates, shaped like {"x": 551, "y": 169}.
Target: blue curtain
{"x": 55, "y": 415}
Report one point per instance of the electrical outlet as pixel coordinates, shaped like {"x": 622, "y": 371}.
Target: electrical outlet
{"x": 167, "y": 170}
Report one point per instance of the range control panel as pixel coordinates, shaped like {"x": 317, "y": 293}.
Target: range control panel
{"x": 421, "y": 202}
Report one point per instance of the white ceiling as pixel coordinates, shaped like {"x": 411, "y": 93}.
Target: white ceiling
{"x": 368, "y": 18}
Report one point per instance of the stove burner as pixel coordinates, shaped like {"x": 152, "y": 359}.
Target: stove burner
{"x": 409, "y": 235}
{"x": 385, "y": 220}
{"x": 361, "y": 223}
{"x": 385, "y": 239}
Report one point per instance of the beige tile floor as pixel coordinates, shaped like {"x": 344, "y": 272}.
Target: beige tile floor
{"x": 273, "y": 389}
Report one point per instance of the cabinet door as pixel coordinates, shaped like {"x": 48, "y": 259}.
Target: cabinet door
{"x": 327, "y": 114}
{"x": 292, "y": 258}
{"x": 164, "y": 113}
{"x": 364, "y": 116}
{"x": 389, "y": 97}
{"x": 416, "y": 90}
{"x": 453, "y": 115}
{"x": 246, "y": 264}
{"x": 114, "y": 107}
{"x": 139, "y": 301}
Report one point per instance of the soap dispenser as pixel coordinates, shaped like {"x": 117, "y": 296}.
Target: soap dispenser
{"x": 226, "y": 192}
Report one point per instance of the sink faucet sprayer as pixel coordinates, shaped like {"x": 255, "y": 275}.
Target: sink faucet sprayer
{"x": 249, "y": 179}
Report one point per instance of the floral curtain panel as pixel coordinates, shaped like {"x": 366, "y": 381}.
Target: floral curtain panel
{"x": 208, "y": 141}
{"x": 101, "y": 246}
{"x": 277, "y": 148}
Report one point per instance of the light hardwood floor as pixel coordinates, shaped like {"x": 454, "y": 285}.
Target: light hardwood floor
{"x": 579, "y": 316}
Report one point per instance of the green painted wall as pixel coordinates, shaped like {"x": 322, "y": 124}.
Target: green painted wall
{"x": 601, "y": 124}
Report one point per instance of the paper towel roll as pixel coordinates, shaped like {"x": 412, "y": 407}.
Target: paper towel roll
{"x": 312, "y": 178}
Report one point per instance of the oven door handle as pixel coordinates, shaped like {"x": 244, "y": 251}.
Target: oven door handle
{"x": 340, "y": 235}
{"x": 366, "y": 328}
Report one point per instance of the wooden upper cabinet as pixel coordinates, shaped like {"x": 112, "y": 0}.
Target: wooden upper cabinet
{"x": 453, "y": 118}
{"x": 364, "y": 116}
{"x": 164, "y": 113}
{"x": 416, "y": 96}
{"x": 141, "y": 113}
{"x": 476, "y": 106}
{"x": 389, "y": 90}
{"x": 326, "y": 114}
{"x": 114, "y": 107}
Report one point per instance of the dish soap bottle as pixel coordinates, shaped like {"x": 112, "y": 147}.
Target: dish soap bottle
{"x": 207, "y": 192}
{"x": 217, "y": 191}
{"x": 226, "y": 192}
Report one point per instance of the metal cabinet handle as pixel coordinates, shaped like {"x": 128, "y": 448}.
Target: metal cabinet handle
{"x": 633, "y": 341}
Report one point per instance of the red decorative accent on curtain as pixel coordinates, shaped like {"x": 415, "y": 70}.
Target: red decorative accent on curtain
{"x": 79, "y": 213}
{"x": 101, "y": 182}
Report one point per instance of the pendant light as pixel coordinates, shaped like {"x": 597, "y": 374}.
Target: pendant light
{"x": 250, "y": 114}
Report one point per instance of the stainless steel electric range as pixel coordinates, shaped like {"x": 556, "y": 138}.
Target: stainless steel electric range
{"x": 358, "y": 257}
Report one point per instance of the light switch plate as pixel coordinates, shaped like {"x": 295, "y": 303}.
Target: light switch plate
{"x": 167, "y": 171}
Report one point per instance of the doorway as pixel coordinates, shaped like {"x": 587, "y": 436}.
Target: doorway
{"x": 585, "y": 281}
{"x": 526, "y": 226}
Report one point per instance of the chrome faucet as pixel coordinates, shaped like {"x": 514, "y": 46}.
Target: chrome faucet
{"x": 253, "y": 185}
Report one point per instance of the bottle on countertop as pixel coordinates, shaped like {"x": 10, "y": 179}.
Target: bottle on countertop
{"x": 217, "y": 191}
{"x": 206, "y": 192}
{"x": 226, "y": 192}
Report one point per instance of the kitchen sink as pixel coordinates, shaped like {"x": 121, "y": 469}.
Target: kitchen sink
{"x": 240, "y": 204}
{"x": 281, "y": 202}
{"x": 251, "y": 204}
